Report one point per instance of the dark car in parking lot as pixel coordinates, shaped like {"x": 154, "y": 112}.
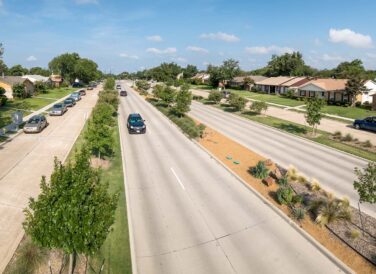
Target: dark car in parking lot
{"x": 136, "y": 124}
{"x": 82, "y": 92}
{"x": 76, "y": 96}
{"x": 35, "y": 124}
{"x": 123, "y": 93}
{"x": 58, "y": 109}
{"x": 69, "y": 102}
{"x": 368, "y": 123}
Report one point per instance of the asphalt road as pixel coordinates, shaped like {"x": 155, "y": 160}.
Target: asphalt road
{"x": 24, "y": 160}
{"x": 190, "y": 215}
{"x": 333, "y": 169}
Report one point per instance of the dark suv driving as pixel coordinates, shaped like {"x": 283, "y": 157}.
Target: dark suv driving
{"x": 135, "y": 124}
{"x": 123, "y": 93}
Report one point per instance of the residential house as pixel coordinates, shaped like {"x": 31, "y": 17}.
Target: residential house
{"x": 36, "y": 78}
{"x": 55, "y": 80}
{"x": 278, "y": 85}
{"x": 238, "y": 82}
{"x": 367, "y": 95}
{"x": 328, "y": 89}
{"x": 202, "y": 78}
{"x": 7, "y": 82}
{"x": 374, "y": 102}
{"x": 293, "y": 84}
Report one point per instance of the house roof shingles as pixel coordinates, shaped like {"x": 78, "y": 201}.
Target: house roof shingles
{"x": 327, "y": 84}
{"x": 12, "y": 80}
{"x": 275, "y": 81}
{"x": 256, "y": 78}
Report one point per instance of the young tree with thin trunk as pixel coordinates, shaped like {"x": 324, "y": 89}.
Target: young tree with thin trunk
{"x": 313, "y": 112}
{"x": 74, "y": 211}
{"x": 354, "y": 87}
{"x": 183, "y": 101}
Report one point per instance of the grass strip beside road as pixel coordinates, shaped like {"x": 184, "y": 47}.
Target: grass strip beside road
{"x": 304, "y": 132}
{"x": 116, "y": 249}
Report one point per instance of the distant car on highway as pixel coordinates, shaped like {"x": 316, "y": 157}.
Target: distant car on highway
{"x": 136, "y": 124}
{"x": 76, "y": 96}
{"x": 123, "y": 93}
{"x": 35, "y": 124}
{"x": 90, "y": 88}
{"x": 69, "y": 102}
{"x": 118, "y": 86}
{"x": 368, "y": 123}
{"x": 58, "y": 109}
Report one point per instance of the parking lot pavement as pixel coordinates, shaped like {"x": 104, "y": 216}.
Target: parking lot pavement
{"x": 25, "y": 159}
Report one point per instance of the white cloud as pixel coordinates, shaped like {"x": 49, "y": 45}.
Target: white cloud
{"x": 268, "y": 50}
{"x": 154, "y": 38}
{"x": 197, "y": 49}
{"x": 206, "y": 63}
{"x": 126, "y": 55}
{"x": 180, "y": 60}
{"x": 221, "y": 36}
{"x": 83, "y": 2}
{"x": 327, "y": 57}
{"x": 351, "y": 38}
{"x": 162, "y": 51}
{"x": 317, "y": 42}
{"x": 31, "y": 58}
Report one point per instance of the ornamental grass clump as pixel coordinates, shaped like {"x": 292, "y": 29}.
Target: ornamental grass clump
{"x": 260, "y": 171}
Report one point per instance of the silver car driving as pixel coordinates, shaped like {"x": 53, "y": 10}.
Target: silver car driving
{"x": 58, "y": 109}
{"x": 35, "y": 124}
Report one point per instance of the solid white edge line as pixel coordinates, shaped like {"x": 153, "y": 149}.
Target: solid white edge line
{"x": 177, "y": 178}
{"x": 127, "y": 199}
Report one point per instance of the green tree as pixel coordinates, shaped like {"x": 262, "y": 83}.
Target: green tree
{"x": 86, "y": 70}
{"x": 3, "y": 98}
{"x": 366, "y": 183}
{"x": 258, "y": 106}
{"x": 354, "y": 86}
{"x": 109, "y": 84}
{"x": 165, "y": 93}
{"x": 353, "y": 69}
{"x": 17, "y": 70}
{"x": 248, "y": 81}
{"x": 190, "y": 71}
{"x": 183, "y": 101}
{"x": 19, "y": 91}
{"x": 230, "y": 69}
{"x": 40, "y": 87}
{"x": 143, "y": 85}
{"x": 64, "y": 65}
{"x": 39, "y": 71}
{"x": 99, "y": 133}
{"x": 313, "y": 112}
{"x": 216, "y": 75}
{"x": 110, "y": 97}
{"x": 215, "y": 96}
{"x": 288, "y": 64}
{"x": 74, "y": 212}
{"x": 237, "y": 102}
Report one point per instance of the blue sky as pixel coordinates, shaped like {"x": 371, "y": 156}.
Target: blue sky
{"x": 132, "y": 35}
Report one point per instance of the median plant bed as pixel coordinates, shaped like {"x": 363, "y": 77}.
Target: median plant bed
{"x": 184, "y": 122}
{"x": 291, "y": 199}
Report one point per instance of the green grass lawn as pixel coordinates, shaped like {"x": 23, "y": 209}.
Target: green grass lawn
{"x": 302, "y": 131}
{"x": 57, "y": 93}
{"x": 349, "y": 112}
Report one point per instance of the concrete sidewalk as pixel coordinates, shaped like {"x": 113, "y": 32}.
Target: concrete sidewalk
{"x": 328, "y": 125}
{"x": 28, "y": 157}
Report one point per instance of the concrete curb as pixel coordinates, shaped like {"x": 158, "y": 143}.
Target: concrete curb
{"x": 296, "y": 136}
{"x": 302, "y": 232}
{"x": 127, "y": 200}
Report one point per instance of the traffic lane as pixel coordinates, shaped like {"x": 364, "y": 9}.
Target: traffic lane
{"x": 163, "y": 218}
{"x": 333, "y": 169}
{"x": 226, "y": 206}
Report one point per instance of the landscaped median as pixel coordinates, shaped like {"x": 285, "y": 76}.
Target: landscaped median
{"x": 249, "y": 165}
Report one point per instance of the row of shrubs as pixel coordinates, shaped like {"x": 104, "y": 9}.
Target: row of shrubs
{"x": 349, "y": 138}
{"x": 185, "y": 123}
{"x": 325, "y": 207}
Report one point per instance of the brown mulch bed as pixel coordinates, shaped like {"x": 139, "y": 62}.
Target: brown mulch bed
{"x": 224, "y": 148}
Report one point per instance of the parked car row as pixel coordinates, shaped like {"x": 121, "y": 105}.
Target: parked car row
{"x": 39, "y": 122}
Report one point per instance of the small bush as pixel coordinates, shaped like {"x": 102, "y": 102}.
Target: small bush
{"x": 260, "y": 171}
{"x": 258, "y": 106}
{"x": 215, "y": 96}
{"x": 298, "y": 213}
{"x": 292, "y": 174}
{"x": 302, "y": 179}
{"x": 367, "y": 143}
{"x": 297, "y": 199}
{"x": 315, "y": 186}
{"x": 237, "y": 102}
{"x": 197, "y": 97}
{"x": 337, "y": 134}
{"x": 285, "y": 195}
{"x": 354, "y": 234}
{"x": 283, "y": 181}
{"x": 347, "y": 138}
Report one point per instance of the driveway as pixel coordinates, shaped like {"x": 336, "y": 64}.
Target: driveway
{"x": 25, "y": 159}
{"x": 328, "y": 125}
{"x": 188, "y": 214}
{"x": 333, "y": 169}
